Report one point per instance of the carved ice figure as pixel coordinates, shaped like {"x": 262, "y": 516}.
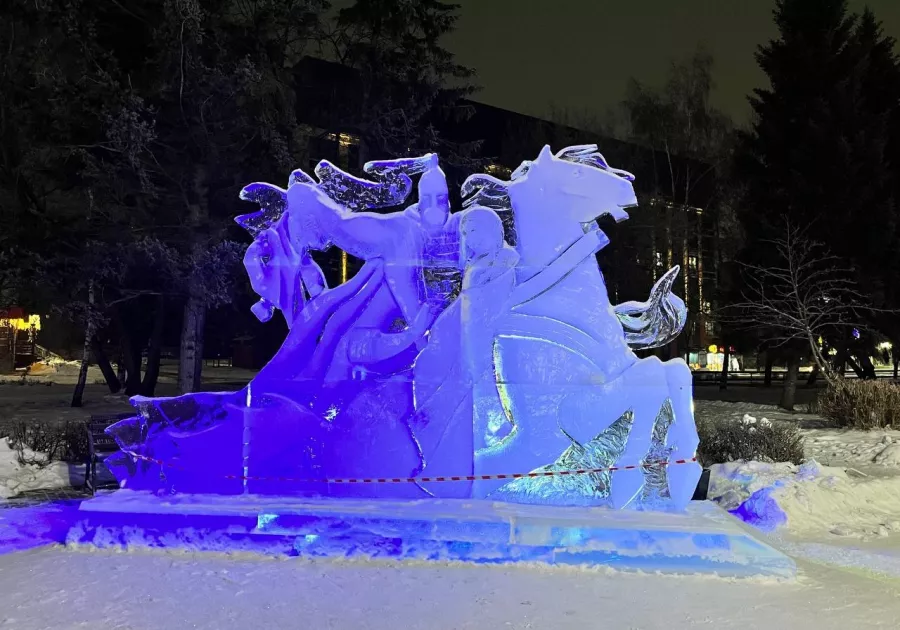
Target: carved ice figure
{"x": 449, "y": 353}
{"x": 434, "y": 266}
{"x": 459, "y": 356}
{"x": 563, "y": 364}
{"x": 284, "y": 427}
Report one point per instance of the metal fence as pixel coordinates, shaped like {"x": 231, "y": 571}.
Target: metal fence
{"x": 752, "y": 377}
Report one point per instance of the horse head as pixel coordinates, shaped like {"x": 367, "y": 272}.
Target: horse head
{"x": 577, "y": 182}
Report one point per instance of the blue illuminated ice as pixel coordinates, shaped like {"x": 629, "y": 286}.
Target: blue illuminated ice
{"x": 467, "y": 347}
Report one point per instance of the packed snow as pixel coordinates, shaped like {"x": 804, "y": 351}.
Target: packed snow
{"x": 808, "y": 501}
{"x": 61, "y": 588}
{"x": 849, "y": 448}
{"x": 848, "y": 487}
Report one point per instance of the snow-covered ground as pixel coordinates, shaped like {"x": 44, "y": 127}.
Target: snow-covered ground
{"x": 819, "y": 513}
{"x": 809, "y": 501}
{"x": 58, "y": 588}
{"x": 839, "y": 515}
{"x": 841, "y": 508}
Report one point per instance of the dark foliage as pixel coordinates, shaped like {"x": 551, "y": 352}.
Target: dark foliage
{"x": 729, "y": 440}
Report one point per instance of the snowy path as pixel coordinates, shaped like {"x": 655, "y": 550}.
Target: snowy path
{"x": 60, "y": 589}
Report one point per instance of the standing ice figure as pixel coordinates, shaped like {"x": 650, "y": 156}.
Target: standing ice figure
{"x": 458, "y": 356}
{"x": 440, "y": 255}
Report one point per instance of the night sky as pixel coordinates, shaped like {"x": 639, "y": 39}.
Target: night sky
{"x": 541, "y": 57}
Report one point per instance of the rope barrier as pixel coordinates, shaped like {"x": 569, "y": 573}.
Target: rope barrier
{"x": 437, "y": 479}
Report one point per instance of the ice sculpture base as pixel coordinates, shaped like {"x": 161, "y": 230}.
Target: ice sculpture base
{"x": 704, "y": 539}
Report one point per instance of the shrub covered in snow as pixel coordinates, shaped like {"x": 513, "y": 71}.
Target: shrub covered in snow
{"x": 861, "y": 404}
{"x": 17, "y": 476}
{"x": 748, "y": 439}
{"x": 40, "y": 444}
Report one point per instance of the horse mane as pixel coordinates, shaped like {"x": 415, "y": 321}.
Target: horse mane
{"x": 486, "y": 190}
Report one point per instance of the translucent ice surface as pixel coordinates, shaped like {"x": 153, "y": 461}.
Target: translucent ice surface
{"x": 453, "y": 364}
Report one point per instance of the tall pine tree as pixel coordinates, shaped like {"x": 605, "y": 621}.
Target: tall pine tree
{"x": 821, "y": 152}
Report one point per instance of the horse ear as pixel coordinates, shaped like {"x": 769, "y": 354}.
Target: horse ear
{"x": 545, "y": 155}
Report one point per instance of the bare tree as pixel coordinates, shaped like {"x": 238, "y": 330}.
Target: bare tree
{"x": 801, "y": 298}
{"x": 690, "y": 142}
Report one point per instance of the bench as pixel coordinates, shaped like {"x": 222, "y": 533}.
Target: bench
{"x": 100, "y": 445}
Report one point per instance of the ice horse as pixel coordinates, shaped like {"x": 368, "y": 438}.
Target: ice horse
{"x": 468, "y": 358}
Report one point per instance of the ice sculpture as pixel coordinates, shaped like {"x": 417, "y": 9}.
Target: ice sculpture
{"x": 453, "y": 364}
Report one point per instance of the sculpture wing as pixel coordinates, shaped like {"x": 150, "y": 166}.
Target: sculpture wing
{"x": 391, "y": 186}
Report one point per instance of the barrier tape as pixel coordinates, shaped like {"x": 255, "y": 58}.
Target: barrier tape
{"x": 440, "y": 479}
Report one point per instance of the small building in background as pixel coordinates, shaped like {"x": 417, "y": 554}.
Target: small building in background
{"x": 18, "y": 339}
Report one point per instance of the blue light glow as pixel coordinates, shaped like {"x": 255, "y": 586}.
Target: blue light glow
{"x": 449, "y": 354}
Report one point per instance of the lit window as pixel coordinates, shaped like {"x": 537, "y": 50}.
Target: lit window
{"x": 692, "y": 262}
{"x": 498, "y": 170}
{"x": 346, "y": 140}
{"x": 343, "y": 139}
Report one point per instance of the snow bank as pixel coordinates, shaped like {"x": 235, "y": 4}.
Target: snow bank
{"x": 16, "y": 478}
{"x": 881, "y": 447}
{"x": 808, "y": 500}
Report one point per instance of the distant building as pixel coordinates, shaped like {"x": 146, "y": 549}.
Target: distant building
{"x": 18, "y": 334}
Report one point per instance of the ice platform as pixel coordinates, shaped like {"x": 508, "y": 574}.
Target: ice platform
{"x": 704, "y": 539}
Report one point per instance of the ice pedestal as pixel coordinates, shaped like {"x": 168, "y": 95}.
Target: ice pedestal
{"x": 703, "y": 539}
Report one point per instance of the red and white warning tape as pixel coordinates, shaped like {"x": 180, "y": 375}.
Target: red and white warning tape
{"x": 549, "y": 473}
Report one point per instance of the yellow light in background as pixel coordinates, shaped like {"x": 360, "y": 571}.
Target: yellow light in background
{"x": 343, "y": 267}
{"x": 713, "y": 348}
{"x": 33, "y": 321}
{"x": 885, "y": 345}
{"x": 498, "y": 170}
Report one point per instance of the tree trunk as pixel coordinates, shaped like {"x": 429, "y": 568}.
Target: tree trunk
{"x": 770, "y": 363}
{"x": 789, "y": 390}
{"x": 866, "y": 366}
{"x": 855, "y": 367}
{"x": 813, "y": 376}
{"x": 132, "y": 359}
{"x": 78, "y": 394}
{"x": 190, "y": 360}
{"x": 154, "y": 350}
{"x": 121, "y": 370}
{"x": 112, "y": 381}
{"x": 673, "y": 349}
{"x": 190, "y": 357}
{"x": 842, "y": 358}
{"x": 130, "y": 355}
{"x": 723, "y": 381}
